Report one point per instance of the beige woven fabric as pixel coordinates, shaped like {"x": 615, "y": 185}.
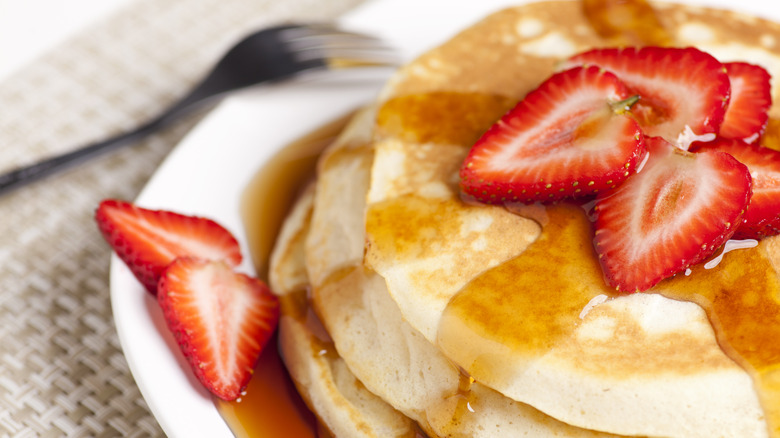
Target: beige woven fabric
{"x": 62, "y": 372}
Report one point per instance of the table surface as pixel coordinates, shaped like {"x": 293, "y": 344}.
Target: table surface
{"x": 75, "y": 72}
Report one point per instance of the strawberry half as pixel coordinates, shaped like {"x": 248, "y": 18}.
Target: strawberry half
{"x": 751, "y": 96}
{"x": 567, "y": 138}
{"x": 672, "y": 214}
{"x": 221, "y": 320}
{"x": 149, "y": 240}
{"x": 677, "y": 88}
{"x": 762, "y": 218}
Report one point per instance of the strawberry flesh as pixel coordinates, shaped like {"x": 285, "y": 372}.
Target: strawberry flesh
{"x": 678, "y": 87}
{"x": 762, "y": 218}
{"x": 221, "y": 320}
{"x": 751, "y": 96}
{"x": 672, "y": 214}
{"x": 564, "y": 140}
{"x": 147, "y": 241}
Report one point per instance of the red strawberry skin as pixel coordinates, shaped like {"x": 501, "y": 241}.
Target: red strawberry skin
{"x": 762, "y": 218}
{"x": 563, "y": 140}
{"x": 677, "y": 87}
{"x": 751, "y": 96}
{"x": 672, "y": 214}
{"x": 147, "y": 241}
{"x": 220, "y": 319}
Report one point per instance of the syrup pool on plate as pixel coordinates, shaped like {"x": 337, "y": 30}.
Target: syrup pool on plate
{"x": 271, "y": 406}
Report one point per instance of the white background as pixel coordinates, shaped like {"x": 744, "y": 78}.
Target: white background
{"x": 28, "y": 28}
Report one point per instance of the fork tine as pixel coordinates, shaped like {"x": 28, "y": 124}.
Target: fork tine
{"x": 320, "y": 30}
{"x": 338, "y": 47}
{"x": 346, "y": 59}
{"x": 343, "y": 56}
{"x": 305, "y": 37}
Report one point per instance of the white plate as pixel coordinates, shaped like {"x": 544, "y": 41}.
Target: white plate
{"x": 208, "y": 171}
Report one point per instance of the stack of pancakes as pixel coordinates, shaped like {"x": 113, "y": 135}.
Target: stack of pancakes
{"x": 379, "y": 262}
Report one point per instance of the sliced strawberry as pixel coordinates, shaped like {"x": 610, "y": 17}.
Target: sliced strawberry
{"x": 149, "y": 240}
{"x": 672, "y": 214}
{"x": 221, "y": 320}
{"x": 762, "y": 218}
{"x": 567, "y": 138}
{"x": 677, "y": 88}
{"x": 751, "y": 96}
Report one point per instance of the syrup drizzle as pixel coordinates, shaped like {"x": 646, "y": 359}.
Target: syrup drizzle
{"x": 626, "y": 22}
{"x": 272, "y": 191}
{"x": 271, "y": 406}
{"x": 532, "y": 303}
{"x": 771, "y": 137}
{"x": 746, "y": 316}
{"x": 742, "y": 300}
{"x": 559, "y": 275}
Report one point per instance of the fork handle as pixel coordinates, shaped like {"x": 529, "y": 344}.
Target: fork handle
{"x": 24, "y": 175}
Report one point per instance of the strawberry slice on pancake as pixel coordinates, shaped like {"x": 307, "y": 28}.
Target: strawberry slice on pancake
{"x": 683, "y": 92}
{"x": 568, "y": 138}
{"x": 673, "y": 214}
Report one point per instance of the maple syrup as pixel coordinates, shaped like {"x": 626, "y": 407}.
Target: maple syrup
{"x": 271, "y": 193}
{"x": 741, "y": 296}
{"x": 441, "y": 117}
{"x": 771, "y": 137}
{"x": 271, "y": 406}
{"x": 559, "y": 275}
{"x": 743, "y": 284}
{"x": 626, "y": 22}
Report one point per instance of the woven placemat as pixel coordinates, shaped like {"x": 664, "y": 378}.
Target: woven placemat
{"x": 62, "y": 372}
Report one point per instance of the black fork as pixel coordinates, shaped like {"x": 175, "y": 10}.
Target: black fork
{"x": 270, "y": 54}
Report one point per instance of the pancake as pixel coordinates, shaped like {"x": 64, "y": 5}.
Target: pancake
{"x": 339, "y": 207}
{"x": 353, "y": 300}
{"x": 426, "y": 298}
{"x": 342, "y": 403}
